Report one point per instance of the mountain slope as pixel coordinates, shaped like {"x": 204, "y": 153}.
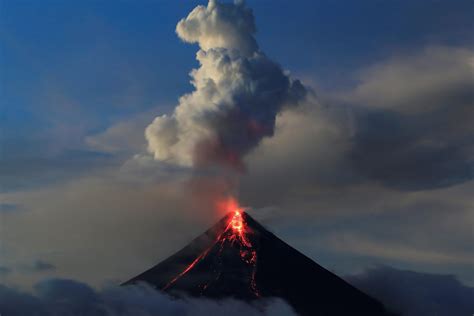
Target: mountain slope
{"x": 239, "y": 258}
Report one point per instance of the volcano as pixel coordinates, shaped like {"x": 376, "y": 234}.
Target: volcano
{"x": 239, "y": 258}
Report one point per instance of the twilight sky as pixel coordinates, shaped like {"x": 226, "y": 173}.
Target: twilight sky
{"x": 371, "y": 165}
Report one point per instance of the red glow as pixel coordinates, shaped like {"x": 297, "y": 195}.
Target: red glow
{"x": 227, "y": 205}
{"x": 237, "y": 222}
{"x": 235, "y": 235}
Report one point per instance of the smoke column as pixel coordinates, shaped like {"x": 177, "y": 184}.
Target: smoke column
{"x": 238, "y": 93}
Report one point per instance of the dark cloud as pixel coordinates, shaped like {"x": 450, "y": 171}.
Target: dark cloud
{"x": 41, "y": 266}
{"x": 30, "y": 170}
{"x": 407, "y": 125}
{"x": 68, "y": 297}
{"x": 8, "y": 208}
{"x": 405, "y": 292}
{"x": 36, "y": 266}
{"x": 414, "y": 120}
{"x": 414, "y": 152}
{"x": 412, "y": 293}
{"x": 5, "y": 270}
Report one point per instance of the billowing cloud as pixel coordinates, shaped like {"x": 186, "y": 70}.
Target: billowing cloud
{"x": 69, "y": 297}
{"x": 229, "y": 26}
{"x": 238, "y": 92}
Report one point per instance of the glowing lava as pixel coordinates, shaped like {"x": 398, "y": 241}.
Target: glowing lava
{"x": 235, "y": 235}
{"x": 247, "y": 252}
{"x": 237, "y": 222}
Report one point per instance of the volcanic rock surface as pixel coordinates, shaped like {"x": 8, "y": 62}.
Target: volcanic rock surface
{"x": 239, "y": 258}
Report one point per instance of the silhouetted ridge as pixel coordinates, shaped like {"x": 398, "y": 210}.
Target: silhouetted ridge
{"x": 217, "y": 264}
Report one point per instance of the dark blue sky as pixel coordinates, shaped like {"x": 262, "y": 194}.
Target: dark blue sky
{"x": 121, "y": 57}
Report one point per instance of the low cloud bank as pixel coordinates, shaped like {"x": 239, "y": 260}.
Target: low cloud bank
{"x": 68, "y": 297}
{"x": 406, "y": 293}
{"x": 410, "y": 293}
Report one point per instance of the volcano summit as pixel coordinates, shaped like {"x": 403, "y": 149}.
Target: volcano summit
{"x": 239, "y": 258}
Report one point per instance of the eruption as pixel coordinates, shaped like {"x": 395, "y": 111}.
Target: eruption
{"x": 238, "y": 93}
{"x": 236, "y": 222}
{"x": 238, "y": 258}
{"x": 234, "y": 235}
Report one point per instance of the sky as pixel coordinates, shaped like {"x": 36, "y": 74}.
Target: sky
{"x": 366, "y": 158}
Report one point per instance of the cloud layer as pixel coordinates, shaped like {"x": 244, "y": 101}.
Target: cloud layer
{"x": 405, "y": 292}
{"x": 69, "y": 297}
{"x": 415, "y": 139}
{"x": 412, "y": 293}
{"x": 414, "y": 120}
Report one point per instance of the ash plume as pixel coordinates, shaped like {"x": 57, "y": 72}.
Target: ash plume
{"x": 238, "y": 93}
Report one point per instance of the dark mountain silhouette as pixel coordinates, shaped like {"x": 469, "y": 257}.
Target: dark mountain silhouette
{"x": 239, "y": 258}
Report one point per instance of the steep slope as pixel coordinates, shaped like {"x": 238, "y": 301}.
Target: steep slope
{"x": 239, "y": 258}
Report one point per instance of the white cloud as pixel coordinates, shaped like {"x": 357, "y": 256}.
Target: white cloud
{"x": 435, "y": 76}
{"x": 229, "y": 26}
{"x": 238, "y": 93}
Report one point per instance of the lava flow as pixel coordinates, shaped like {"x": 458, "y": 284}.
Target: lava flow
{"x": 235, "y": 235}
{"x": 247, "y": 252}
